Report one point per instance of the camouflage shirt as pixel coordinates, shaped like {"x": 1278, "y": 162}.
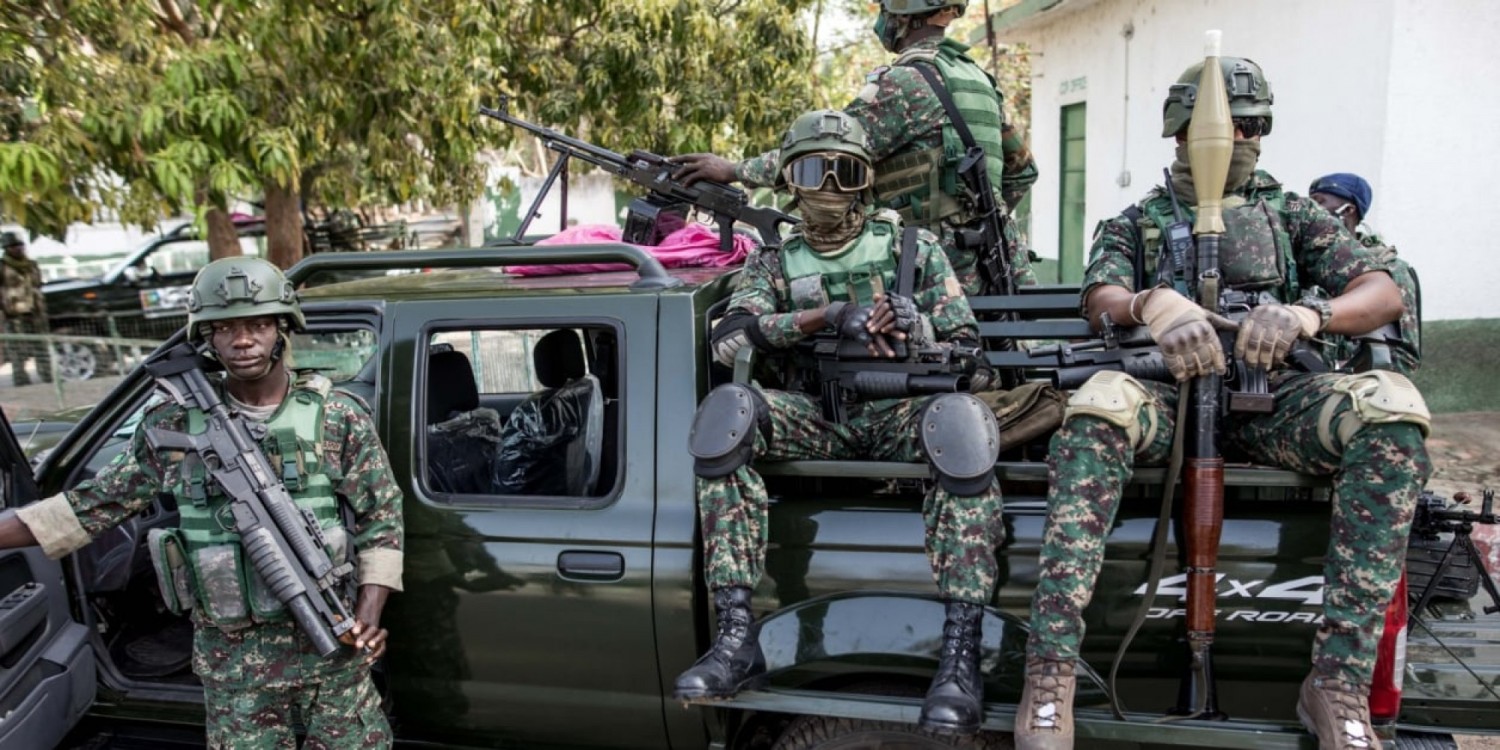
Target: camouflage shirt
{"x": 1323, "y": 251}
{"x": 936, "y": 292}
{"x": 271, "y": 654}
{"x": 21, "y": 288}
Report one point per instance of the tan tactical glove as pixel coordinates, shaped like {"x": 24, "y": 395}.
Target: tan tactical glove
{"x": 1184, "y": 331}
{"x": 1268, "y": 332}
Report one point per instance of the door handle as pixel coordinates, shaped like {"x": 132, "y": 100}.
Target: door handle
{"x": 591, "y": 566}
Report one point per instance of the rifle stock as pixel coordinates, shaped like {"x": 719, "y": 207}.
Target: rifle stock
{"x": 282, "y": 541}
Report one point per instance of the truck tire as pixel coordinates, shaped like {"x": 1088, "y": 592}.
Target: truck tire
{"x": 76, "y": 361}
{"x": 828, "y": 733}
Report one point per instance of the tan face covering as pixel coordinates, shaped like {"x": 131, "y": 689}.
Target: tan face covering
{"x": 1241, "y": 168}
{"x": 829, "y": 219}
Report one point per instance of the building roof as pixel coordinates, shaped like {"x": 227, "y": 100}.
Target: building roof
{"x": 1013, "y": 21}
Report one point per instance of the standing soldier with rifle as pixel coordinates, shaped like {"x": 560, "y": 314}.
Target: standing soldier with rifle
{"x": 847, "y": 274}
{"x": 923, "y": 115}
{"x": 1366, "y": 430}
{"x": 260, "y": 669}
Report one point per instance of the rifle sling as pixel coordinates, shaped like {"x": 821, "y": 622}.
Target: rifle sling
{"x": 906, "y": 265}
{"x": 1158, "y": 552}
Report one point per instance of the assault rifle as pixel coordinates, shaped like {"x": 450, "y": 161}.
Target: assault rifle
{"x": 988, "y": 242}
{"x": 846, "y": 371}
{"x": 653, "y": 172}
{"x": 284, "y": 543}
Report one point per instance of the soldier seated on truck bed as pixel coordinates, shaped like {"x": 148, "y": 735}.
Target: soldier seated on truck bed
{"x": 1366, "y": 430}
{"x": 832, "y": 280}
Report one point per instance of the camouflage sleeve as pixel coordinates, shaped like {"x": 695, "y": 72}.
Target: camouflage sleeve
{"x": 756, "y": 295}
{"x": 363, "y": 478}
{"x": 938, "y": 294}
{"x": 1327, "y": 253}
{"x": 759, "y": 171}
{"x": 1020, "y": 168}
{"x": 896, "y": 106}
{"x": 1112, "y": 257}
{"x": 129, "y": 484}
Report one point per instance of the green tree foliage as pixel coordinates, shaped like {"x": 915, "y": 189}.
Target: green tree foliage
{"x": 149, "y": 107}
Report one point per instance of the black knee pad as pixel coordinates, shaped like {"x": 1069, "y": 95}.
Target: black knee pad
{"x": 723, "y": 434}
{"x": 962, "y": 441}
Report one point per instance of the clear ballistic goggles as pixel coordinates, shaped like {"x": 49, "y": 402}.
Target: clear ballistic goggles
{"x": 810, "y": 171}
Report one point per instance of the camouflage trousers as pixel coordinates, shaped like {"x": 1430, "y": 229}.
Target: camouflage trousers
{"x": 962, "y": 532}
{"x": 966, "y": 263}
{"x": 1378, "y": 475}
{"x": 342, "y": 712}
{"x": 17, "y": 352}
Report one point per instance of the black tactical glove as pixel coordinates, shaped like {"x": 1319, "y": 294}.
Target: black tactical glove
{"x": 905, "y": 311}
{"x": 849, "y": 321}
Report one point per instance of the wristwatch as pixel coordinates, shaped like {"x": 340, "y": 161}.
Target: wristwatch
{"x": 1322, "y": 307}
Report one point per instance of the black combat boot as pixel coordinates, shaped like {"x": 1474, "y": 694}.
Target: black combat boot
{"x": 734, "y": 661}
{"x": 955, "y": 702}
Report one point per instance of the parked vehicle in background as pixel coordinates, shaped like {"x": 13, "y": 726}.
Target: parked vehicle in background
{"x": 143, "y": 296}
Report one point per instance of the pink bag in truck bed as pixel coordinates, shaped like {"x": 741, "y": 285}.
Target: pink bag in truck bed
{"x": 693, "y": 246}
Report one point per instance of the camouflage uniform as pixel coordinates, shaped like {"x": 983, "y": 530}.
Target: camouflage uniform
{"x": 1405, "y": 359}
{"x": 25, "y": 313}
{"x": 256, "y": 677}
{"x": 901, "y": 115}
{"x": 1378, "y": 470}
{"x": 962, "y": 532}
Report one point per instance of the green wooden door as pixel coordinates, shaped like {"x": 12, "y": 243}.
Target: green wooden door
{"x": 1070, "y": 237}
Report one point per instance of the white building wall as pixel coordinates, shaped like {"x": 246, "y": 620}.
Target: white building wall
{"x": 1441, "y": 153}
{"x": 1389, "y": 89}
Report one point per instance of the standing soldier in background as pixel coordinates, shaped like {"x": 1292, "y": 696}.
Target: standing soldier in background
{"x": 912, "y": 140}
{"x": 1365, "y": 430}
{"x": 837, "y": 276}
{"x": 1348, "y": 196}
{"x": 260, "y": 672}
{"x": 25, "y": 309}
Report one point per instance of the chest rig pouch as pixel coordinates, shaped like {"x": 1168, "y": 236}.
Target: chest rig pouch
{"x": 1255, "y": 254}
{"x": 922, "y": 184}
{"x": 855, "y": 273}
{"x": 226, "y": 590}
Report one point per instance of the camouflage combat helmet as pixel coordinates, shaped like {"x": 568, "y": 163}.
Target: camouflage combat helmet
{"x": 913, "y": 7}
{"x": 825, "y": 130}
{"x": 1249, "y": 94}
{"x": 241, "y": 288}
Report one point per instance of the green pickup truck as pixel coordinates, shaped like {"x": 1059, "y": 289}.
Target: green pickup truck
{"x": 557, "y": 612}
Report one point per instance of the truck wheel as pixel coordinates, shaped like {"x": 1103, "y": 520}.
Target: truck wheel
{"x": 76, "y": 361}
{"x": 827, "y": 733}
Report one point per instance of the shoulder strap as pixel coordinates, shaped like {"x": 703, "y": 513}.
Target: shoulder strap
{"x": 933, "y": 80}
{"x": 906, "y": 267}
{"x": 1133, "y": 214}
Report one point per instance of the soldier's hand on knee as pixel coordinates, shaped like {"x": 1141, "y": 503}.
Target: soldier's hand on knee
{"x": 694, "y": 167}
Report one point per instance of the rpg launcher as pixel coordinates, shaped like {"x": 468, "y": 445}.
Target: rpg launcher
{"x": 663, "y": 193}
{"x": 283, "y": 542}
{"x": 847, "y": 373}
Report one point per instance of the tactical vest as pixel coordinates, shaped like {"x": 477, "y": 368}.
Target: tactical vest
{"x": 856, "y": 273}
{"x": 1255, "y": 253}
{"x": 224, "y": 586}
{"x": 923, "y": 185}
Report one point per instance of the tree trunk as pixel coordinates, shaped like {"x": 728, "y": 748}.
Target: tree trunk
{"x": 283, "y": 226}
{"x": 223, "y": 239}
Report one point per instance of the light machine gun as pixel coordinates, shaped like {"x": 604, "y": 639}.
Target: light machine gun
{"x": 283, "y": 542}
{"x": 664, "y": 194}
{"x": 1434, "y": 518}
